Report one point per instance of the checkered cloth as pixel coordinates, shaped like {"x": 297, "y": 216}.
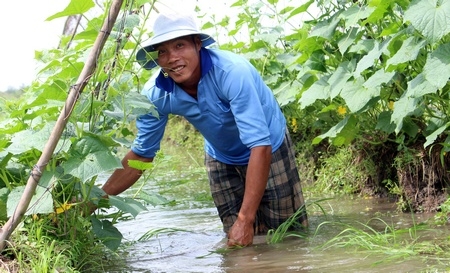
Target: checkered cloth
{"x": 282, "y": 198}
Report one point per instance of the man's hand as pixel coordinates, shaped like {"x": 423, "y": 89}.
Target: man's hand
{"x": 241, "y": 234}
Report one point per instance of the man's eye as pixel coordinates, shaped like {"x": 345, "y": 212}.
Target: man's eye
{"x": 160, "y": 52}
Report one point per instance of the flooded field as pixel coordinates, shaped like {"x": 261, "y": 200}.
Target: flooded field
{"x": 188, "y": 237}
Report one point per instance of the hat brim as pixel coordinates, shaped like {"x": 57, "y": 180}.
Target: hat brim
{"x": 147, "y": 55}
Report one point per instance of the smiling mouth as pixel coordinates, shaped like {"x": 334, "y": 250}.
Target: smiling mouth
{"x": 177, "y": 69}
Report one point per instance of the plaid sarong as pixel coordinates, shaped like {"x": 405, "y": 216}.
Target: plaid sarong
{"x": 282, "y": 198}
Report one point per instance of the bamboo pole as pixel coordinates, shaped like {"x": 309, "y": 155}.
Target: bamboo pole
{"x": 75, "y": 91}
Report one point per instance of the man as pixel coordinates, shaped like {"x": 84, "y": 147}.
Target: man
{"x": 249, "y": 158}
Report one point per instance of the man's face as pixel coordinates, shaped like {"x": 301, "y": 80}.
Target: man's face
{"x": 180, "y": 59}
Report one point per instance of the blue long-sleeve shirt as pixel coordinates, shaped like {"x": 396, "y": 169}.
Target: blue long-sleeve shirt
{"x": 234, "y": 111}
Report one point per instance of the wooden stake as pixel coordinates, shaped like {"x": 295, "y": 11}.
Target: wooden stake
{"x": 75, "y": 91}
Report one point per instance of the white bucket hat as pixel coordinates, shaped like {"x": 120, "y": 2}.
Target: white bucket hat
{"x": 165, "y": 28}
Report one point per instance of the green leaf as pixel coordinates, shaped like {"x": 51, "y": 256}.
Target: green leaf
{"x": 207, "y": 25}
{"x": 408, "y": 51}
{"x": 3, "y": 200}
{"x": 301, "y": 9}
{"x": 380, "y": 8}
{"x": 339, "y": 78}
{"x": 75, "y": 7}
{"x": 286, "y": 93}
{"x": 410, "y": 127}
{"x": 419, "y": 86}
{"x": 333, "y": 132}
{"x": 140, "y": 165}
{"x": 348, "y": 39}
{"x": 356, "y": 96}
{"x": 437, "y": 67}
{"x": 372, "y": 57}
{"x": 127, "y": 205}
{"x": 347, "y": 134}
{"x": 432, "y": 137}
{"x": 353, "y": 15}
{"x": 319, "y": 90}
{"x": 42, "y": 200}
{"x": 90, "y": 157}
{"x": 153, "y": 199}
{"x": 107, "y": 233}
{"x": 384, "y": 122}
{"x": 378, "y": 79}
{"x": 325, "y": 29}
{"x": 21, "y": 140}
{"x": 430, "y": 17}
{"x": 131, "y": 105}
{"x": 403, "y": 108}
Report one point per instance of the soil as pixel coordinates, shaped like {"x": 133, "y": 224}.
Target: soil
{"x": 421, "y": 175}
{"x": 8, "y": 265}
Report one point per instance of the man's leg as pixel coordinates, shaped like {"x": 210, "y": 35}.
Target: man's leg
{"x": 283, "y": 195}
{"x": 227, "y": 183}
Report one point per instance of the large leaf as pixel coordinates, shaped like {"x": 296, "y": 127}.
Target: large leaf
{"x": 356, "y": 96}
{"x": 371, "y": 57}
{"x": 325, "y": 29}
{"x": 90, "y": 157}
{"x": 319, "y": 90}
{"x": 127, "y": 205}
{"x": 354, "y": 15}
{"x": 378, "y": 79}
{"x": 42, "y": 200}
{"x": 419, "y": 86}
{"x": 75, "y": 7}
{"x": 404, "y": 107}
{"x": 153, "y": 199}
{"x": 432, "y": 137}
{"x": 430, "y": 17}
{"x": 21, "y": 140}
{"x": 408, "y": 52}
{"x": 347, "y": 40}
{"x": 437, "y": 67}
{"x": 339, "y": 78}
{"x": 107, "y": 233}
{"x": 348, "y": 122}
{"x": 131, "y": 105}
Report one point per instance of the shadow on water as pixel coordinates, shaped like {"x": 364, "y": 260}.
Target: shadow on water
{"x": 188, "y": 238}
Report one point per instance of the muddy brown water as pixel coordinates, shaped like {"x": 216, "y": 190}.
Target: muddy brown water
{"x": 188, "y": 238}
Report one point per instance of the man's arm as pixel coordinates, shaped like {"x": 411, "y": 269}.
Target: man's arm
{"x": 242, "y": 231}
{"x": 122, "y": 179}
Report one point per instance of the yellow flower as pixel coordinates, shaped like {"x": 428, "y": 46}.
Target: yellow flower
{"x": 342, "y": 110}
{"x": 294, "y": 125}
{"x": 391, "y": 105}
{"x": 63, "y": 208}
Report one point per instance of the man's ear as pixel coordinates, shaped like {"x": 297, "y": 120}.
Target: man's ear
{"x": 197, "y": 41}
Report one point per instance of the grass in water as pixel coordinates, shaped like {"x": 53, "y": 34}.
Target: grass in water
{"x": 392, "y": 244}
{"x": 292, "y": 227}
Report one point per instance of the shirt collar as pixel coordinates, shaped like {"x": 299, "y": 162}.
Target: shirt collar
{"x": 167, "y": 84}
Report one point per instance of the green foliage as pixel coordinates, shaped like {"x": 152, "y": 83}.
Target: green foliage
{"x": 341, "y": 174}
{"x": 352, "y": 71}
{"x": 443, "y": 216}
{"x": 98, "y": 127}
{"x": 386, "y": 63}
